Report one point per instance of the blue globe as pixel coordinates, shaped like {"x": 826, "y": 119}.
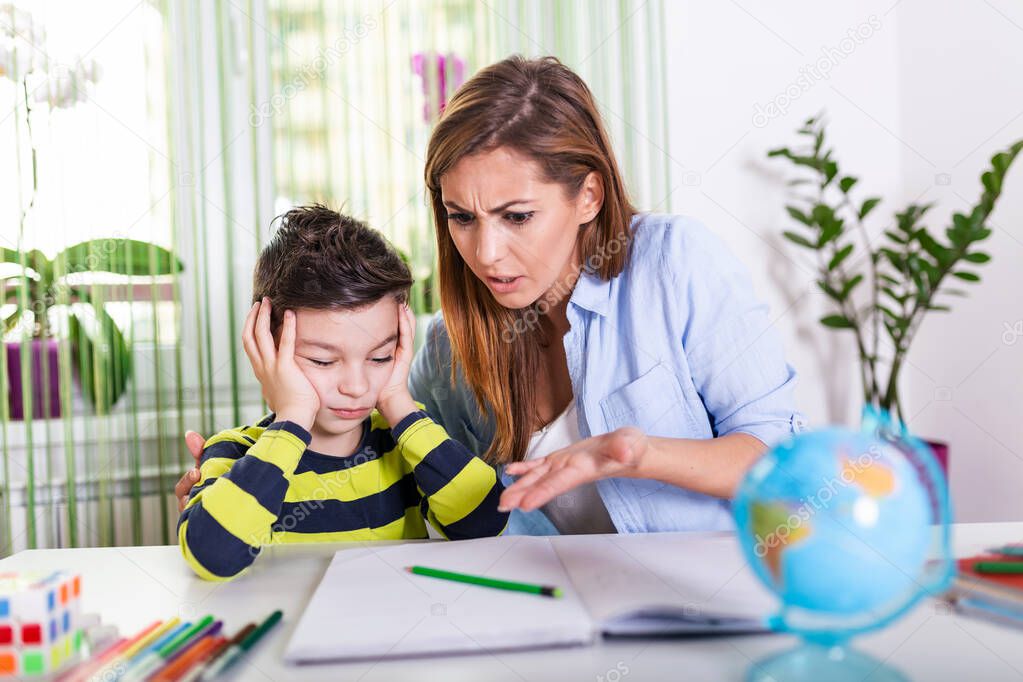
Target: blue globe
{"x": 848, "y": 528}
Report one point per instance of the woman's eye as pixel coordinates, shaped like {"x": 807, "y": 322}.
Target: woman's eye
{"x": 321, "y": 363}
{"x": 381, "y": 361}
{"x": 460, "y": 218}
{"x": 519, "y": 218}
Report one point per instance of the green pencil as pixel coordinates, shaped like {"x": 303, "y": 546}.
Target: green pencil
{"x": 998, "y": 567}
{"x": 485, "y": 582}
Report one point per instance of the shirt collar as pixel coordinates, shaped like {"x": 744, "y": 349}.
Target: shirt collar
{"x": 592, "y": 293}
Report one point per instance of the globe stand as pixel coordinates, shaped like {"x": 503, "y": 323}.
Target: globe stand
{"x": 814, "y": 661}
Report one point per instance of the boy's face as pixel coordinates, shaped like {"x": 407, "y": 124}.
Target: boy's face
{"x": 348, "y": 357}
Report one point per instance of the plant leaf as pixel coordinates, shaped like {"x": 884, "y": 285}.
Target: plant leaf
{"x": 119, "y": 256}
{"x": 898, "y": 298}
{"x": 977, "y": 257}
{"x": 868, "y": 206}
{"x": 836, "y": 322}
{"x": 840, "y": 256}
{"x": 11, "y": 321}
{"x": 889, "y": 312}
{"x": 846, "y": 183}
{"x": 826, "y": 288}
{"x": 850, "y": 285}
{"x": 967, "y": 276}
{"x": 799, "y": 215}
{"x": 941, "y": 254}
{"x": 830, "y": 171}
{"x": 101, "y": 356}
{"x": 895, "y": 237}
{"x": 799, "y": 239}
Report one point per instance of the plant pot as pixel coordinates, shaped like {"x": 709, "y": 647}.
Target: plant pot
{"x": 940, "y": 451}
{"x": 41, "y": 348}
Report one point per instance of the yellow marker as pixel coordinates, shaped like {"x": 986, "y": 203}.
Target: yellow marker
{"x": 129, "y": 653}
{"x": 150, "y": 638}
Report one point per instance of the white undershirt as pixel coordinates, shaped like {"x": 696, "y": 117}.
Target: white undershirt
{"x": 580, "y": 510}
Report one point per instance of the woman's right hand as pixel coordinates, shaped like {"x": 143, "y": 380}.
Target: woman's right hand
{"x": 195, "y": 442}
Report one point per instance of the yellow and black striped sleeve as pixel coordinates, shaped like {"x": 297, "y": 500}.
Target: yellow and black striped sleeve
{"x": 232, "y": 508}
{"x": 460, "y": 491}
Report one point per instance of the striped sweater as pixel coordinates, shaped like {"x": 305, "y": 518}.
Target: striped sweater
{"x": 261, "y": 485}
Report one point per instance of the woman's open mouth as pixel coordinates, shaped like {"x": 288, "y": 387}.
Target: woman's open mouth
{"x": 503, "y": 285}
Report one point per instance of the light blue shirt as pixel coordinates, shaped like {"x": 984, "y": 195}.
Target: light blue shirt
{"x": 677, "y": 345}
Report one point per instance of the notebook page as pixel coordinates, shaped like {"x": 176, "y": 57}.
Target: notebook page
{"x": 368, "y": 606}
{"x": 701, "y": 578}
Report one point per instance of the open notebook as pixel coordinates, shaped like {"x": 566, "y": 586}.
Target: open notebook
{"x": 368, "y": 606}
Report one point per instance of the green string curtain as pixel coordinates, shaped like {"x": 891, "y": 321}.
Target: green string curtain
{"x": 88, "y": 277}
{"x": 234, "y": 111}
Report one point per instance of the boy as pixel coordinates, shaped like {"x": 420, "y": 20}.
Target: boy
{"x": 329, "y": 338}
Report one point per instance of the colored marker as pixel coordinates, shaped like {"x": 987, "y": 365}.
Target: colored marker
{"x": 152, "y": 637}
{"x": 483, "y": 581}
{"x": 215, "y": 655}
{"x": 191, "y": 658}
{"x": 998, "y": 567}
{"x": 112, "y": 653}
{"x": 195, "y": 639}
{"x": 120, "y": 668}
{"x": 231, "y": 656}
{"x": 152, "y": 660}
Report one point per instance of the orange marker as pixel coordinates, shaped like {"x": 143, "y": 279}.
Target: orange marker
{"x": 217, "y": 651}
{"x": 194, "y": 656}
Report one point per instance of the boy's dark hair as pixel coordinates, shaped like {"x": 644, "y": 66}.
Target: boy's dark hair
{"x": 318, "y": 258}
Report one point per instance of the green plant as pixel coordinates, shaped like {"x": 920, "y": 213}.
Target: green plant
{"x": 424, "y": 299}
{"x": 48, "y": 297}
{"x": 907, "y": 268}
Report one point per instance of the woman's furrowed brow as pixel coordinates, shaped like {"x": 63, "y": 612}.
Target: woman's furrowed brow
{"x": 497, "y": 209}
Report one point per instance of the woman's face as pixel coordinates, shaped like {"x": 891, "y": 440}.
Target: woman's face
{"x": 516, "y": 232}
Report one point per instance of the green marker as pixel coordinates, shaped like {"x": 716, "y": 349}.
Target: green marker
{"x": 998, "y": 567}
{"x": 150, "y": 662}
{"x": 485, "y": 582}
{"x": 236, "y": 651}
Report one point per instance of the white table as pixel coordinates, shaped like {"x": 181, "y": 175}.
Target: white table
{"x": 133, "y": 586}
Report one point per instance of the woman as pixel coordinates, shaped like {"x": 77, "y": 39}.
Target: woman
{"x": 616, "y": 362}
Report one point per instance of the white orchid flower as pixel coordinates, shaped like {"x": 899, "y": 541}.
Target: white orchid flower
{"x": 15, "y": 59}
{"x": 17, "y": 22}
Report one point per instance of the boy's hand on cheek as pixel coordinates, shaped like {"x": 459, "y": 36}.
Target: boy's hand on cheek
{"x": 394, "y": 402}
{"x": 285, "y": 386}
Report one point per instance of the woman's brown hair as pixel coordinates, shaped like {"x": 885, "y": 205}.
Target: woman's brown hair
{"x": 542, "y": 110}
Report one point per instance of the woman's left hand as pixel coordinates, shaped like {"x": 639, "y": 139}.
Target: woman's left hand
{"x": 615, "y": 454}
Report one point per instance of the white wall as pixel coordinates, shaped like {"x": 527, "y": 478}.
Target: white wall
{"x": 961, "y": 70}
{"x": 922, "y": 91}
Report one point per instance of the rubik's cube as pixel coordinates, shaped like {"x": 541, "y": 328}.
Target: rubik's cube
{"x": 39, "y": 621}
